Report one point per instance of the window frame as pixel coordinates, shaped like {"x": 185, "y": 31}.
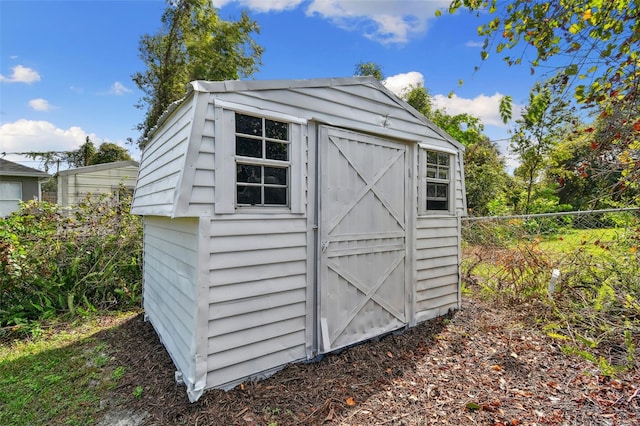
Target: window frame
{"x": 226, "y": 160}
{"x": 423, "y": 180}
{"x": 263, "y": 163}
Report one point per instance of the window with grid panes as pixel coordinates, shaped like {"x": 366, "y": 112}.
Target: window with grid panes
{"x": 438, "y": 174}
{"x": 263, "y": 161}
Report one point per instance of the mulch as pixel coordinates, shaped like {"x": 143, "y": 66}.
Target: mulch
{"x": 482, "y": 365}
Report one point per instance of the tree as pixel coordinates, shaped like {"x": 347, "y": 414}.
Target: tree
{"x": 418, "y": 97}
{"x": 109, "y": 153}
{"x": 544, "y": 123}
{"x": 83, "y": 156}
{"x": 574, "y": 174}
{"x": 364, "y": 69}
{"x": 192, "y": 44}
{"x": 486, "y": 179}
{"x": 597, "y": 40}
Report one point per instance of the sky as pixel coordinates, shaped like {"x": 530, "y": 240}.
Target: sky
{"x": 66, "y": 66}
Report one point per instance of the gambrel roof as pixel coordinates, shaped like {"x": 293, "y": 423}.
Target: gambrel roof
{"x": 346, "y": 83}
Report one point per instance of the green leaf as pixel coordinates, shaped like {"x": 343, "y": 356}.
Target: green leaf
{"x": 571, "y": 69}
{"x": 505, "y": 108}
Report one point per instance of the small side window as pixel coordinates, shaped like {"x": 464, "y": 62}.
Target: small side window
{"x": 435, "y": 181}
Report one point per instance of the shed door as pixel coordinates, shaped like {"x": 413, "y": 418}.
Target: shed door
{"x": 362, "y": 237}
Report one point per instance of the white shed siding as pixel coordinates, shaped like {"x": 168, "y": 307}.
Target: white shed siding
{"x": 334, "y": 106}
{"x": 437, "y": 258}
{"x": 170, "y": 277}
{"x": 162, "y": 164}
{"x": 75, "y": 184}
{"x": 257, "y": 296}
{"x": 461, "y": 196}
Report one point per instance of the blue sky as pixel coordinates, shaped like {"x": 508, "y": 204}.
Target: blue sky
{"x": 66, "y": 66}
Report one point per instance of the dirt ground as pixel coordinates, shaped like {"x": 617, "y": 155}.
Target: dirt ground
{"x": 482, "y": 365}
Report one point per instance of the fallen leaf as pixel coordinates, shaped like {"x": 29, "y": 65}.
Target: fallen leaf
{"x": 472, "y": 406}
{"x": 496, "y": 367}
{"x": 389, "y": 354}
{"x": 351, "y": 402}
{"x": 487, "y": 407}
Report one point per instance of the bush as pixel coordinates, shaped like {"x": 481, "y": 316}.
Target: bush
{"x": 56, "y": 261}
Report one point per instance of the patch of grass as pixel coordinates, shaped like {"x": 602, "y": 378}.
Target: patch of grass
{"x": 57, "y": 378}
{"x": 594, "y": 241}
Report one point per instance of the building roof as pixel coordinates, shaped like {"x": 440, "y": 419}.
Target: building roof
{"x": 97, "y": 167}
{"x": 258, "y": 85}
{"x": 9, "y": 168}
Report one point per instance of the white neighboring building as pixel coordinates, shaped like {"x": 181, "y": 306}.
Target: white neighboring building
{"x": 75, "y": 184}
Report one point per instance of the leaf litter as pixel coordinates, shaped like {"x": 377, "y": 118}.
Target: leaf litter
{"x": 482, "y": 365}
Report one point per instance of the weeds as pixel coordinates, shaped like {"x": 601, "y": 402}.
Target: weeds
{"x": 57, "y": 262}
{"x": 593, "y": 311}
{"x": 137, "y": 392}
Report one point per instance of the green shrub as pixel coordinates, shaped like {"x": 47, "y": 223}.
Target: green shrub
{"x": 69, "y": 261}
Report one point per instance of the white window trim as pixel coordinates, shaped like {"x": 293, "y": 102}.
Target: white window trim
{"x": 225, "y": 160}
{"x": 422, "y": 180}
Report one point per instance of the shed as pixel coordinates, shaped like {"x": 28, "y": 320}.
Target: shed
{"x": 287, "y": 219}
{"x": 18, "y": 183}
{"x": 107, "y": 178}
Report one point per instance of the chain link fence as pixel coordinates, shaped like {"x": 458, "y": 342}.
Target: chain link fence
{"x": 578, "y": 273}
{"x": 497, "y": 231}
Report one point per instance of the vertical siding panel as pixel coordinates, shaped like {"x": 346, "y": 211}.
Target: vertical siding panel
{"x": 170, "y": 276}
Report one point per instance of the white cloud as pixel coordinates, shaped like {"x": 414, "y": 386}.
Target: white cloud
{"x": 40, "y": 104}
{"x": 262, "y": 5}
{"x": 472, "y": 43}
{"x": 482, "y": 106}
{"x": 21, "y": 75}
{"x": 486, "y": 108}
{"x": 385, "y": 21}
{"x": 118, "y": 89}
{"x": 400, "y": 82}
{"x": 39, "y": 136}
